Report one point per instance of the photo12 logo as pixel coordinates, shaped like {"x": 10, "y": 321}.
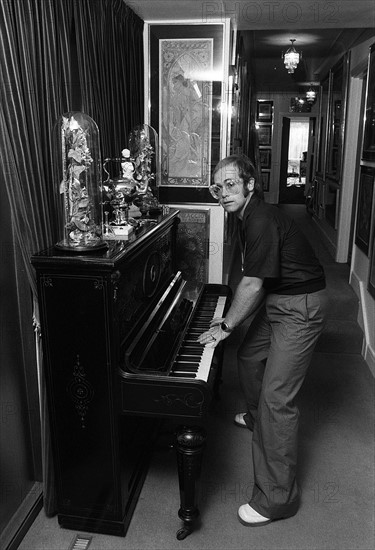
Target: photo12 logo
{"x": 272, "y": 12}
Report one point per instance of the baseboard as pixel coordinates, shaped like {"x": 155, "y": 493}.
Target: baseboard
{"x": 368, "y": 352}
{"x": 22, "y": 520}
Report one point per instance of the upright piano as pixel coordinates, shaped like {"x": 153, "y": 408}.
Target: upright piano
{"x": 119, "y": 333}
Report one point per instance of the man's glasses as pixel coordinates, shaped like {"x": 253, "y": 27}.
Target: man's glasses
{"x": 232, "y": 187}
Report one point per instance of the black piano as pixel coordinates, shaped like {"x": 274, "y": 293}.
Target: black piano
{"x": 119, "y": 330}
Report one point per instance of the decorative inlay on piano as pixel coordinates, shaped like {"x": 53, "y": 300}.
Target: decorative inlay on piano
{"x": 131, "y": 321}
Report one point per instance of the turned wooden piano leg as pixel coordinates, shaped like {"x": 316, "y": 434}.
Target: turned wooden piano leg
{"x": 191, "y": 441}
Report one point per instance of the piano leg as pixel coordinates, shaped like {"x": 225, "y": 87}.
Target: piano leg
{"x": 191, "y": 441}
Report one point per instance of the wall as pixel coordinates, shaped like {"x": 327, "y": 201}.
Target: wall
{"x": 359, "y": 267}
{"x": 20, "y": 429}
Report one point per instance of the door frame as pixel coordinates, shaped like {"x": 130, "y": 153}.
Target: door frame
{"x": 311, "y": 142}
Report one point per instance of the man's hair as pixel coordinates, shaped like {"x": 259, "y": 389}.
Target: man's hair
{"x": 246, "y": 170}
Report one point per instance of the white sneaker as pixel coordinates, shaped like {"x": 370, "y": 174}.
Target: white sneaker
{"x": 249, "y": 517}
{"x": 240, "y": 421}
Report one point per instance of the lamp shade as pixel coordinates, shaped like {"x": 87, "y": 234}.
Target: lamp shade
{"x": 291, "y": 58}
{"x": 311, "y": 95}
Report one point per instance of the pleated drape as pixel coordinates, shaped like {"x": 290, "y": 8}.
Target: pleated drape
{"x": 38, "y": 85}
{"x": 110, "y": 56}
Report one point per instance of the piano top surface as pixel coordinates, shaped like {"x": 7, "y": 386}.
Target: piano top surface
{"x": 115, "y": 251}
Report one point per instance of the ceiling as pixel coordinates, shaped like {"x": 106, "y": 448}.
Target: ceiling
{"x": 322, "y": 30}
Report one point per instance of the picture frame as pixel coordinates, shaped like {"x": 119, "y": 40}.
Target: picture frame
{"x": 192, "y": 250}
{"x": 265, "y": 158}
{"x": 371, "y": 275}
{"x": 336, "y": 117}
{"x": 264, "y": 111}
{"x": 264, "y": 135}
{"x": 364, "y": 208}
{"x": 186, "y": 97}
{"x": 265, "y": 180}
{"x": 368, "y": 148}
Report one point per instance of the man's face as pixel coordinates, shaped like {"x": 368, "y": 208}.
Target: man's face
{"x": 233, "y": 196}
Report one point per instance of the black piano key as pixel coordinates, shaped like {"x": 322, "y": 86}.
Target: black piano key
{"x": 191, "y": 349}
{"x": 188, "y": 358}
{"x": 182, "y": 365}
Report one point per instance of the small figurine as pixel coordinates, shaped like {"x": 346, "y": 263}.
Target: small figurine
{"x": 127, "y": 165}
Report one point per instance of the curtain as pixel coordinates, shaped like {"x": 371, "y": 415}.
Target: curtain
{"x": 110, "y": 57}
{"x": 298, "y": 139}
{"x": 37, "y": 64}
{"x": 33, "y": 45}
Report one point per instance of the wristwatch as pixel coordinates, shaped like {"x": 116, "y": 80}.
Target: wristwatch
{"x": 224, "y": 327}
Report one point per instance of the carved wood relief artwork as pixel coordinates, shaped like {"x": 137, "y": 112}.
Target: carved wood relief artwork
{"x": 185, "y": 111}
{"x": 80, "y": 391}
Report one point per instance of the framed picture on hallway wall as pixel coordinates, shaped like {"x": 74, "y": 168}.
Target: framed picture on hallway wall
{"x": 186, "y": 85}
{"x": 264, "y": 111}
{"x": 266, "y": 180}
{"x": 371, "y": 278}
{"x": 265, "y": 158}
{"x": 368, "y": 151}
{"x": 265, "y": 135}
{"x": 364, "y": 208}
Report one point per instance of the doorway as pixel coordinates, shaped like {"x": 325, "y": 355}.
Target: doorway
{"x": 296, "y": 157}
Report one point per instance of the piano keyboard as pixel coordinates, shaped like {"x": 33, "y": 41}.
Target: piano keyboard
{"x": 194, "y": 359}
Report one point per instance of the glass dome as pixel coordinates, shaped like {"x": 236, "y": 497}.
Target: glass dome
{"x": 78, "y": 176}
{"x": 144, "y": 149}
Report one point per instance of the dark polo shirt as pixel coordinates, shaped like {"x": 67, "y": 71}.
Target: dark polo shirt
{"x": 276, "y": 250}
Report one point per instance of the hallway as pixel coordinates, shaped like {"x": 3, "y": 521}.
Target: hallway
{"x": 336, "y": 468}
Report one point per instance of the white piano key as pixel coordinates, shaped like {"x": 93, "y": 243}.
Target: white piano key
{"x": 207, "y": 351}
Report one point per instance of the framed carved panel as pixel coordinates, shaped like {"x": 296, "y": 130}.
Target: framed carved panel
{"x": 193, "y": 243}
{"x": 186, "y": 106}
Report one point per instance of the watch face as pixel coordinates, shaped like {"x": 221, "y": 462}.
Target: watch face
{"x": 151, "y": 274}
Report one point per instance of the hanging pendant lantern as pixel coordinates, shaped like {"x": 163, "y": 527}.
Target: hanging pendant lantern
{"x": 311, "y": 95}
{"x": 291, "y": 57}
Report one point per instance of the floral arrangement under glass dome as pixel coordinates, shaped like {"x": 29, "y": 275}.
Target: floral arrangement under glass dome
{"x": 77, "y": 163}
{"x": 143, "y": 145}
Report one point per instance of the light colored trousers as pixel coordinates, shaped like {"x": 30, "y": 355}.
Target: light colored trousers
{"x": 272, "y": 361}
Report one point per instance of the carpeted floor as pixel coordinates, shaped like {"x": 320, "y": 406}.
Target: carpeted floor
{"x": 336, "y": 463}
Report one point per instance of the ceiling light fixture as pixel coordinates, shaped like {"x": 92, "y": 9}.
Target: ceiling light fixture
{"x": 311, "y": 95}
{"x": 291, "y": 57}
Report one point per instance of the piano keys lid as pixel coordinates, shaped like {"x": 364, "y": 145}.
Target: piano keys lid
{"x": 153, "y": 350}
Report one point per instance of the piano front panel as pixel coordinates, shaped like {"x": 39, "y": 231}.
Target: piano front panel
{"x": 74, "y": 314}
{"x": 164, "y": 397}
{"x": 184, "y": 389}
{"x": 140, "y": 281}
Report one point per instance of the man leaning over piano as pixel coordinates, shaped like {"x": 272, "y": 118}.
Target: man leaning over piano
{"x": 282, "y": 289}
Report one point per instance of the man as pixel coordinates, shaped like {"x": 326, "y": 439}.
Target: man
{"x": 282, "y": 288}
